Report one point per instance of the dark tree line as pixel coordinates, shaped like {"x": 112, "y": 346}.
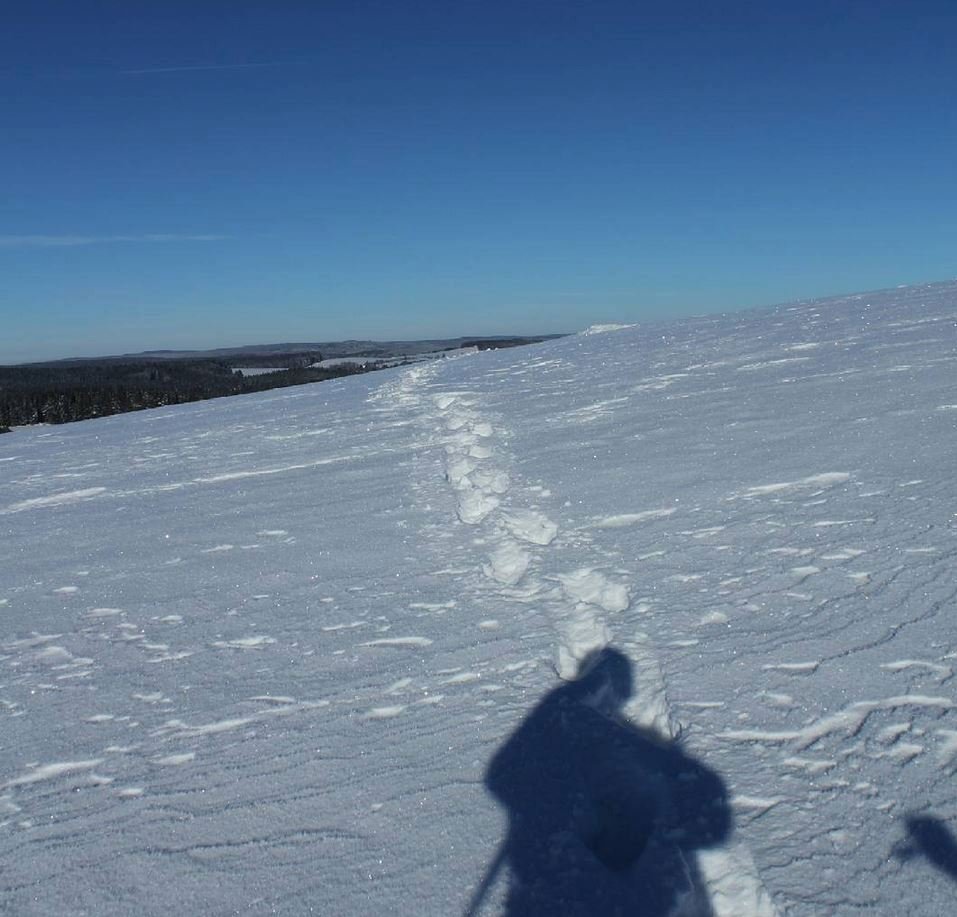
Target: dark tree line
{"x": 498, "y": 343}
{"x": 78, "y": 391}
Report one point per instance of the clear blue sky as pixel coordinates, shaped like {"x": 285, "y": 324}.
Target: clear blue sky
{"x": 206, "y": 173}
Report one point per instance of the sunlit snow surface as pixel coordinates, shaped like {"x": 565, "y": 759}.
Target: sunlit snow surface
{"x": 256, "y": 654}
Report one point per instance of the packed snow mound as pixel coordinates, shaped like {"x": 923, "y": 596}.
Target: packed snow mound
{"x": 605, "y": 328}
{"x": 659, "y": 618}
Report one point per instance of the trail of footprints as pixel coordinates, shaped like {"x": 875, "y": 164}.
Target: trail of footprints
{"x": 519, "y": 540}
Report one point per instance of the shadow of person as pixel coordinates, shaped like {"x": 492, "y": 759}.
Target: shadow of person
{"x": 604, "y": 817}
{"x": 929, "y": 837}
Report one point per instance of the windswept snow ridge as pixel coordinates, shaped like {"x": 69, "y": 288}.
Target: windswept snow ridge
{"x": 605, "y": 328}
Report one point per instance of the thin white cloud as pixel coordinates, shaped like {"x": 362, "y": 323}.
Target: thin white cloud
{"x": 41, "y": 241}
{"x": 193, "y": 67}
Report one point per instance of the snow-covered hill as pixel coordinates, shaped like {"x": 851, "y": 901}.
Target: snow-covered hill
{"x": 300, "y": 652}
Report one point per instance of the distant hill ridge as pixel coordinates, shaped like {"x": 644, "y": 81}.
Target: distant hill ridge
{"x": 62, "y": 391}
{"x": 329, "y": 349}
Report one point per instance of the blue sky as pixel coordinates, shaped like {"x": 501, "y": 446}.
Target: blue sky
{"x": 205, "y": 173}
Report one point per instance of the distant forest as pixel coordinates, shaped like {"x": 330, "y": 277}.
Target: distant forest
{"x": 68, "y": 390}
{"x": 64, "y": 392}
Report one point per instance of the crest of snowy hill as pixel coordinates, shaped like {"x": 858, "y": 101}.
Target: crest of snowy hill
{"x": 315, "y": 650}
{"x": 602, "y": 329}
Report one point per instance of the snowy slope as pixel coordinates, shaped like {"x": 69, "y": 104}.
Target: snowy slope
{"x": 261, "y": 654}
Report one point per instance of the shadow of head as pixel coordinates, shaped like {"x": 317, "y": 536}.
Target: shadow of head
{"x": 604, "y": 679}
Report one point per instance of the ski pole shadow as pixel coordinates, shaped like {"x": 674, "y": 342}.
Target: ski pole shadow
{"x": 929, "y": 837}
{"x": 603, "y": 817}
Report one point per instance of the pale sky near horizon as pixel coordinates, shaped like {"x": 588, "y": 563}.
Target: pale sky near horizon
{"x": 191, "y": 175}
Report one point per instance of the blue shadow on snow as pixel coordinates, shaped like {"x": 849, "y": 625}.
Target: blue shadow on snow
{"x": 929, "y": 837}
{"x": 604, "y": 817}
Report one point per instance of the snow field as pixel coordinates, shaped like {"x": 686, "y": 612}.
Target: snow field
{"x": 279, "y": 637}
